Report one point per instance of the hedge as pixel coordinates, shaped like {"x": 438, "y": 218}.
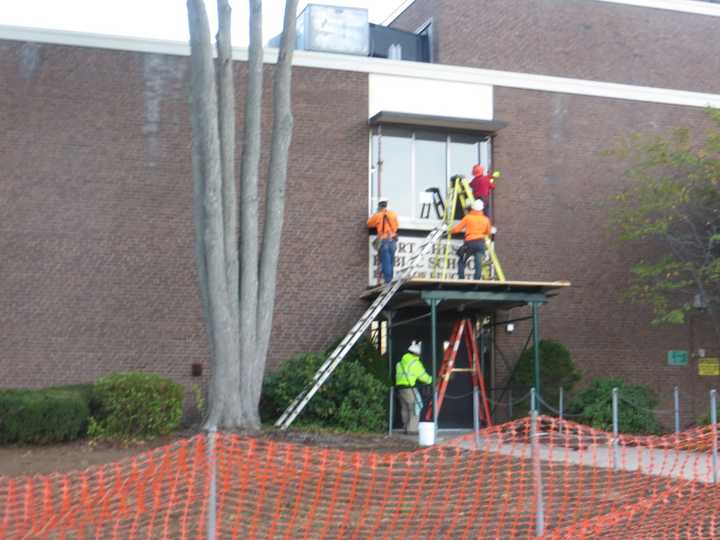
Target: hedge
{"x": 45, "y": 415}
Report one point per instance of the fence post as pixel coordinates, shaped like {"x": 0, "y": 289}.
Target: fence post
{"x": 713, "y": 419}
{"x": 676, "y": 406}
{"x": 533, "y": 400}
{"x": 537, "y": 473}
{"x": 616, "y": 430}
{"x": 561, "y": 404}
{"x": 212, "y": 495}
{"x": 389, "y": 343}
{"x": 476, "y": 415}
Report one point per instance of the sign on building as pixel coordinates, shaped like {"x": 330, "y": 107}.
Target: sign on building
{"x": 677, "y": 358}
{"x": 408, "y": 246}
{"x": 708, "y": 367}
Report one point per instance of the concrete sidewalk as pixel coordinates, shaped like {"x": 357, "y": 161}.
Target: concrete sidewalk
{"x": 669, "y": 463}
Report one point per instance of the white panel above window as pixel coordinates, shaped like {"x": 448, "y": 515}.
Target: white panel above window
{"x": 429, "y": 97}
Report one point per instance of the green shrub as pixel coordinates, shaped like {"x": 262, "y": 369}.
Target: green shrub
{"x": 705, "y": 420}
{"x": 42, "y": 416}
{"x": 86, "y": 391}
{"x": 365, "y": 353}
{"x": 352, "y": 399}
{"x": 557, "y": 370}
{"x": 594, "y": 405}
{"x": 136, "y": 405}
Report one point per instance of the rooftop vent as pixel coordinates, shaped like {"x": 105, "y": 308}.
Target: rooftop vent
{"x": 332, "y": 29}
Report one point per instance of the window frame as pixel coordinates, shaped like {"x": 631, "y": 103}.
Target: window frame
{"x": 485, "y": 155}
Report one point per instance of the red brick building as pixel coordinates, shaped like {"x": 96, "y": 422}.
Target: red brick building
{"x": 97, "y": 271}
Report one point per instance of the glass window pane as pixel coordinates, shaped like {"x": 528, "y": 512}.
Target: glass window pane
{"x": 485, "y": 154}
{"x": 430, "y": 167}
{"x": 464, "y": 153}
{"x": 395, "y": 180}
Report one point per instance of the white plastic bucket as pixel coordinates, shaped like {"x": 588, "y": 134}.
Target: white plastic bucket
{"x": 426, "y": 433}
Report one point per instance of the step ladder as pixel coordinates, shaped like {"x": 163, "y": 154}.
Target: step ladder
{"x": 462, "y": 331}
{"x": 358, "y": 329}
{"x": 460, "y": 194}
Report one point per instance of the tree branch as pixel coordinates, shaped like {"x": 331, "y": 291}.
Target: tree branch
{"x": 226, "y": 123}
{"x": 223, "y": 411}
{"x": 277, "y": 181}
{"x": 250, "y": 386}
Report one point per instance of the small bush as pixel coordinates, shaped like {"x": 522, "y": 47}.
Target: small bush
{"x": 42, "y": 416}
{"x": 352, "y": 399}
{"x": 705, "y": 420}
{"x": 136, "y": 405}
{"x": 594, "y": 405}
{"x": 557, "y": 370}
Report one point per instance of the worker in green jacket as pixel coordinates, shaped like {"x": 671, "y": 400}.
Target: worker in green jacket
{"x": 408, "y": 371}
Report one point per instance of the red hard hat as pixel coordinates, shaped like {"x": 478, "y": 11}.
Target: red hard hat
{"x": 478, "y": 170}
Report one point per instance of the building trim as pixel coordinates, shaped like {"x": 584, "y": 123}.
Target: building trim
{"x": 445, "y": 123}
{"x": 395, "y": 13}
{"x": 694, "y": 7}
{"x": 363, "y": 64}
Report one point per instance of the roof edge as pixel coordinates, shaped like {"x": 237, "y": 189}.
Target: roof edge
{"x": 395, "y": 13}
{"x": 402, "y": 68}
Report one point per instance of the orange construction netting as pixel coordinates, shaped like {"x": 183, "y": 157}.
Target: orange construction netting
{"x": 492, "y": 486}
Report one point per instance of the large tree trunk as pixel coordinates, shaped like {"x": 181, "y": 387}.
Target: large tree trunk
{"x": 277, "y": 181}
{"x": 224, "y": 410}
{"x": 238, "y": 297}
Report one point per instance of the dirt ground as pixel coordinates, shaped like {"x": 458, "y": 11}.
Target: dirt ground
{"x": 21, "y": 460}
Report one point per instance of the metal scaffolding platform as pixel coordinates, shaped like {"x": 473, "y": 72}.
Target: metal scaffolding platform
{"x": 420, "y": 298}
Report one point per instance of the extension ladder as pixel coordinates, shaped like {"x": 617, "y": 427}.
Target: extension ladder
{"x": 462, "y": 330}
{"x": 358, "y": 329}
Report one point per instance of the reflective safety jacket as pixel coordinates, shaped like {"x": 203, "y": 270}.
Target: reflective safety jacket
{"x": 409, "y": 369}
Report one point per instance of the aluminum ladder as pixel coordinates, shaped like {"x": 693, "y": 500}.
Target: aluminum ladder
{"x": 358, "y": 329}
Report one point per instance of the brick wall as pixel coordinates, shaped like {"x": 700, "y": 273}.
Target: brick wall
{"x": 576, "y": 38}
{"x": 98, "y": 271}
{"x": 552, "y": 213}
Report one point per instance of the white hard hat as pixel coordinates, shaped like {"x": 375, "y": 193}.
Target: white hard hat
{"x": 478, "y": 205}
{"x": 382, "y": 200}
{"x": 415, "y": 347}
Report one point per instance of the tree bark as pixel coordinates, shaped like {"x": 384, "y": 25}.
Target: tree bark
{"x": 276, "y": 185}
{"x": 249, "y": 386}
{"x": 223, "y": 401}
{"x": 226, "y": 125}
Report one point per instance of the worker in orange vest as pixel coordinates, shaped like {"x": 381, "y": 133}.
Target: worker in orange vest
{"x": 385, "y": 223}
{"x": 477, "y": 228}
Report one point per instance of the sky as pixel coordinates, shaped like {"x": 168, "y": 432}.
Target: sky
{"x": 160, "y": 19}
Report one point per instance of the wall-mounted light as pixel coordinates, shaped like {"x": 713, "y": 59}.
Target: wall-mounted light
{"x": 510, "y": 328}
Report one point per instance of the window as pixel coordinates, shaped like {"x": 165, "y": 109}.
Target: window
{"x": 406, "y": 162}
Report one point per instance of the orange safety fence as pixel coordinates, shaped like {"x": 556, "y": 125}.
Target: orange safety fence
{"x": 491, "y": 486}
